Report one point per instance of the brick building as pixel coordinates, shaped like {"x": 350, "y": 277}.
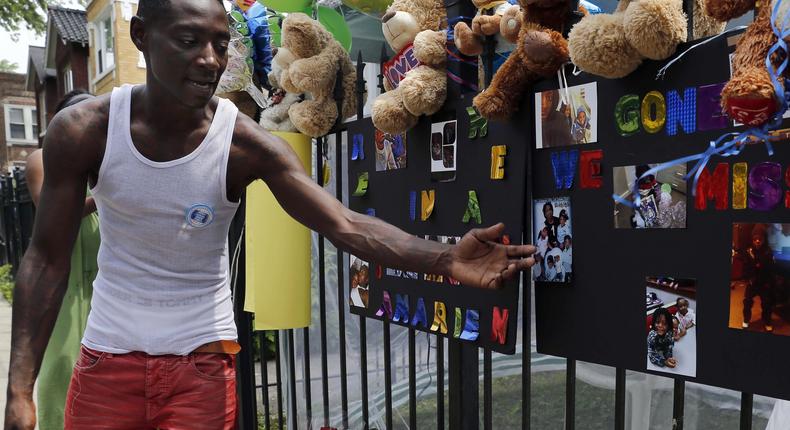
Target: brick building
{"x": 62, "y": 65}
{"x": 113, "y": 60}
{"x": 19, "y": 118}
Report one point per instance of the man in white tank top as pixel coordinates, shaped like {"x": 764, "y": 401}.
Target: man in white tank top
{"x": 167, "y": 163}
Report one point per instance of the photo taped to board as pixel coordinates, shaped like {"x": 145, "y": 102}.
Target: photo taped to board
{"x": 567, "y": 116}
{"x": 760, "y": 278}
{"x": 553, "y": 231}
{"x": 662, "y": 197}
{"x": 444, "y": 144}
{"x": 671, "y": 325}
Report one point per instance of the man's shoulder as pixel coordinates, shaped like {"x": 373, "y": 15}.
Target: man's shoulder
{"x": 84, "y": 123}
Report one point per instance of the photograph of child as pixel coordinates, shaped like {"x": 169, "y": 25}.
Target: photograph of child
{"x": 567, "y": 117}
{"x": 359, "y": 280}
{"x": 759, "y": 291}
{"x": 662, "y": 197}
{"x": 670, "y": 325}
{"x": 554, "y": 240}
{"x": 391, "y": 153}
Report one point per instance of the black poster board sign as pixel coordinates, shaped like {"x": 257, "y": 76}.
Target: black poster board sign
{"x": 389, "y": 195}
{"x": 599, "y": 317}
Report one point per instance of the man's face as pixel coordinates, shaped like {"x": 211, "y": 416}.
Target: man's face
{"x": 546, "y": 103}
{"x": 186, "y": 49}
{"x": 757, "y": 242}
{"x": 363, "y": 276}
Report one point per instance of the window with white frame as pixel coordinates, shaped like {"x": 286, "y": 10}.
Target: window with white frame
{"x": 68, "y": 79}
{"x": 104, "y": 44}
{"x": 21, "y": 124}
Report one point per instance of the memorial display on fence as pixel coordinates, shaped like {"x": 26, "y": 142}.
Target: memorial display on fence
{"x": 662, "y": 206}
{"x": 450, "y": 180}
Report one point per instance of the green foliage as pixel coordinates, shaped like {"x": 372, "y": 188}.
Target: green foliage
{"x": 6, "y": 283}
{"x": 273, "y": 423}
{"x": 30, "y": 14}
{"x": 270, "y": 346}
{"x": 7, "y": 66}
{"x": 16, "y": 14}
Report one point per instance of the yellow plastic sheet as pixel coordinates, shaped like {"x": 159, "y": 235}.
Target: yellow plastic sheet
{"x": 278, "y": 255}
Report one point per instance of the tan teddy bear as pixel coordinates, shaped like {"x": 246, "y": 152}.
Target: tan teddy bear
{"x": 614, "y": 45}
{"x": 416, "y": 79}
{"x": 310, "y": 62}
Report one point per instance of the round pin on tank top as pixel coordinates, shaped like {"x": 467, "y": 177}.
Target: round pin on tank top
{"x": 200, "y": 215}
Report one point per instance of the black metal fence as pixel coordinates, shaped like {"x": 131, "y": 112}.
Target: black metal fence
{"x": 462, "y": 388}
{"x": 16, "y": 224}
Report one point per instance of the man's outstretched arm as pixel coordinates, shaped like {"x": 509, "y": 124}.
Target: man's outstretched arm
{"x": 42, "y": 278}
{"x": 476, "y": 261}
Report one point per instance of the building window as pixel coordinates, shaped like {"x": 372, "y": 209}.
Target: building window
{"x": 105, "y": 42}
{"x": 21, "y": 124}
{"x": 68, "y": 79}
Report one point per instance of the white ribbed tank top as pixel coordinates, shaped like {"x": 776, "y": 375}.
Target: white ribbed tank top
{"x": 163, "y": 283}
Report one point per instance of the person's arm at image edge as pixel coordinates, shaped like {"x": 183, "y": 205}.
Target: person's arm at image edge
{"x": 272, "y": 159}
{"x": 34, "y": 174}
{"x": 42, "y": 278}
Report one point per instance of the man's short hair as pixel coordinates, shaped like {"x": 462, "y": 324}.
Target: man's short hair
{"x": 149, "y": 9}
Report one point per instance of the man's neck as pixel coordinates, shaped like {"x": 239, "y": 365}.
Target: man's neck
{"x": 162, "y": 111}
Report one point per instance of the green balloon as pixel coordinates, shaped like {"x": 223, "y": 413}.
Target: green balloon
{"x": 275, "y": 31}
{"x": 287, "y": 5}
{"x": 374, "y": 8}
{"x": 335, "y": 24}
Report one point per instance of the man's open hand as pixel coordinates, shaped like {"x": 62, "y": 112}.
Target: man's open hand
{"x": 479, "y": 261}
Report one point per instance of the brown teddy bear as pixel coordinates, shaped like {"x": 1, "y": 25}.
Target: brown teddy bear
{"x": 540, "y": 52}
{"x": 415, "y": 79}
{"x": 749, "y": 96}
{"x": 504, "y": 23}
{"x": 614, "y": 45}
{"x": 313, "y": 60}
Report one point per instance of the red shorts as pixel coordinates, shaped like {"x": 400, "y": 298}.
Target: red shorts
{"x": 137, "y": 391}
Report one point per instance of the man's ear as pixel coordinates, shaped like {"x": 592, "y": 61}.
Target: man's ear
{"x": 137, "y": 32}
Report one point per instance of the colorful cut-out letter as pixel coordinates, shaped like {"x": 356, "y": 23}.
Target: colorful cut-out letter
{"x": 472, "y": 209}
{"x": 499, "y": 325}
{"x": 472, "y": 325}
{"x": 564, "y": 165}
{"x": 739, "y": 172}
{"x": 439, "y": 318}
{"x": 590, "y": 169}
{"x": 713, "y": 186}
{"x": 765, "y": 191}
{"x": 362, "y": 185}
{"x": 498, "y": 153}
{"x": 386, "y": 306}
{"x": 428, "y": 198}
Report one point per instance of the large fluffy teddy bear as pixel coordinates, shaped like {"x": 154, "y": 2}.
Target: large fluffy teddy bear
{"x": 749, "y": 96}
{"x": 540, "y": 52}
{"x": 315, "y": 59}
{"x": 614, "y": 45}
{"x": 416, "y": 79}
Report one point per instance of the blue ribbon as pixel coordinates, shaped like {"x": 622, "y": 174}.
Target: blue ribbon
{"x": 731, "y": 144}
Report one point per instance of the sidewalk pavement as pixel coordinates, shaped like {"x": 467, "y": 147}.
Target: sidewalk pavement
{"x": 5, "y": 351}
